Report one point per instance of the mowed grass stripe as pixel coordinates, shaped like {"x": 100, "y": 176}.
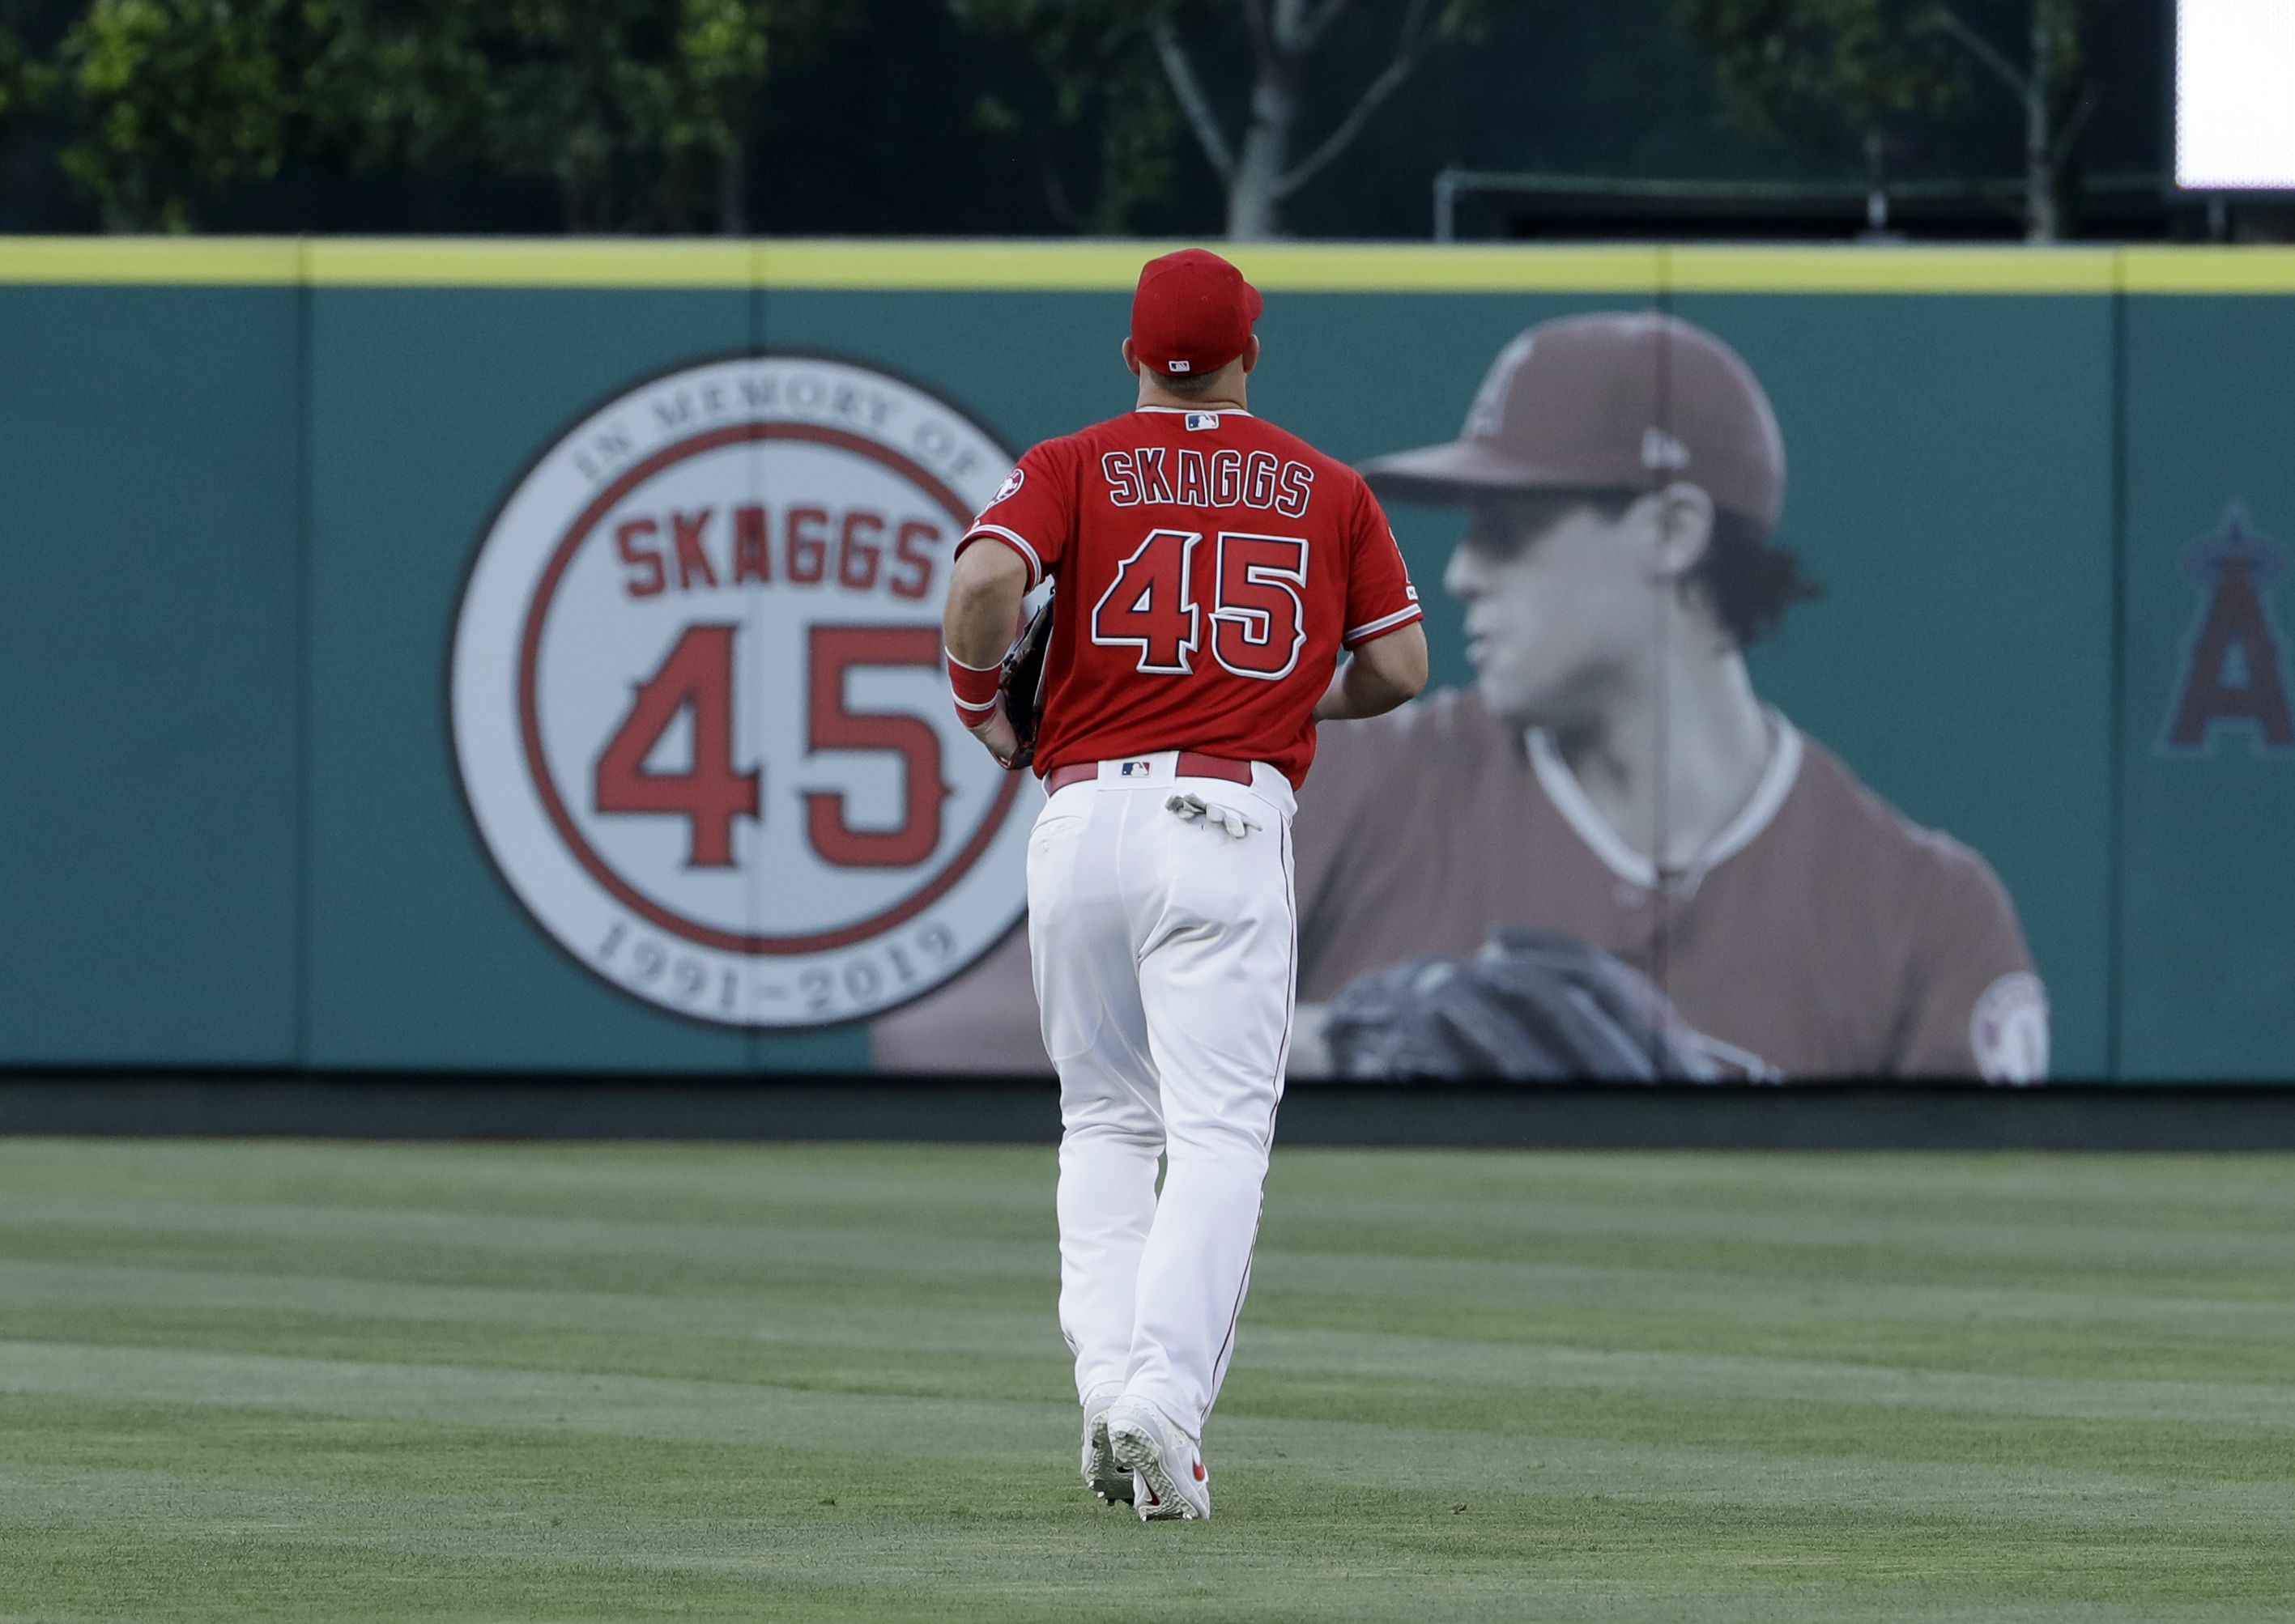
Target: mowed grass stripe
{"x": 1432, "y": 1400}
{"x": 701, "y": 1182}
{"x": 40, "y": 1366}
{"x": 920, "y": 1559}
{"x": 2059, "y": 1334}
{"x": 959, "y": 1242}
{"x": 1291, "y": 1287}
{"x": 1561, "y": 1532}
{"x": 272, "y": 1447}
{"x": 1360, "y": 1460}
{"x": 666, "y": 1179}
{"x": 230, "y": 1294}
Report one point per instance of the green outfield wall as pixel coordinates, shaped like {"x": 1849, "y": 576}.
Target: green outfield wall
{"x": 249, "y": 493}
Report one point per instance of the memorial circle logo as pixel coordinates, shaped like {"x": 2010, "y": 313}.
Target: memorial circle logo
{"x": 698, "y": 701}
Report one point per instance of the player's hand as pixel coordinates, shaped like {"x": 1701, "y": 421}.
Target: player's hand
{"x": 998, "y": 738}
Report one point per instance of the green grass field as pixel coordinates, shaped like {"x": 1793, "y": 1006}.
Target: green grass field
{"x": 307, "y": 1382}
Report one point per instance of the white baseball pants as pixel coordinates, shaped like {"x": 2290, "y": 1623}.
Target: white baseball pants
{"x": 1166, "y": 956}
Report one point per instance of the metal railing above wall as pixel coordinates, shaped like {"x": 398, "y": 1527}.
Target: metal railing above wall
{"x": 1869, "y": 210}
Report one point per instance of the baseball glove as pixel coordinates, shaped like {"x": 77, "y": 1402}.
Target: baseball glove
{"x": 1021, "y": 684}
{"x": 1530, "y": 1005}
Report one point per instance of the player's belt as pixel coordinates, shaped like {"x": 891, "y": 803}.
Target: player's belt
{"x": 1192, "y": 765}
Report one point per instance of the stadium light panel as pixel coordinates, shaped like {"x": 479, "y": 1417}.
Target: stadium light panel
{"x": 2235, "y": 95}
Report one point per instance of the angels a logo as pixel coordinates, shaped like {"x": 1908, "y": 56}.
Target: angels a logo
{"x": 2233, "y": 669}
{"x": 698, "y": 698}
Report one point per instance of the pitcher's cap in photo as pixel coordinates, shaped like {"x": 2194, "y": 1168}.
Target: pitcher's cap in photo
{"x": 1191, "y": 313}
{"x": 1620, "y": 400}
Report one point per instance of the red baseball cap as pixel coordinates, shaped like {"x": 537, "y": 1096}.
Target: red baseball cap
{"x": 1191, "y": 313}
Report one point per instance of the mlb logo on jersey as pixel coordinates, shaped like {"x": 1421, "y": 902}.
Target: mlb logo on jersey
{"x": 1136, "y": 768}
{"x": 1202, "y": 420}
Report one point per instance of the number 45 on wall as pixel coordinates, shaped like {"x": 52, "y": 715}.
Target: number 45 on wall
{"x": 712, "y": 793}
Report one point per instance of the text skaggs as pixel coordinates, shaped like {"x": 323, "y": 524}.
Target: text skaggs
{"x": 1192, "y": 479}
{"x": 856, "y": 548}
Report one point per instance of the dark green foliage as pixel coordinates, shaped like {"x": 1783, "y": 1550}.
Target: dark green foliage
{"x": 1840, "y": 74}
{"x": 1093, "y": 112}
{"x": 25, "y": 82}
{"x": 636, "y": 111}
{"x": 1011, "y": 116}
{"x": 1236, "y": 75}
{"x": 1828, "y": 72}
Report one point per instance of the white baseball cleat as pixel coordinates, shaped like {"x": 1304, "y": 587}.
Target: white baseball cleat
{"x": 1168, "y": 1478}
{"x": 1101, "y": 1474}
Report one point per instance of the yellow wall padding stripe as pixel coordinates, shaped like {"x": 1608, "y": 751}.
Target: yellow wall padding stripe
{"x": 1111, "y": 266}
{"x": 1287, "y": 267}
{"x": 1851, "y": 268}
{"x": 2207, "y": 270}
{"x": 509, "y": 262}
{"x": 260, "y": 262}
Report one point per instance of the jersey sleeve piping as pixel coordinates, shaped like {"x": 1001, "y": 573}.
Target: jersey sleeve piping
{"x": 1372, "y": 629}
{"x": 1014, "y": 539}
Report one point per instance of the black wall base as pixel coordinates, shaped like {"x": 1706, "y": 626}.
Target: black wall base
{"x": 1843, "y": 1116}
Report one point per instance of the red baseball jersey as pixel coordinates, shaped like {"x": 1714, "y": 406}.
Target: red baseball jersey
{"x": 1210, "y": 568}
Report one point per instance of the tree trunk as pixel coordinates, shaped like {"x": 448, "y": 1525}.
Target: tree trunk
{"x": 1253, "y": 195}
{"x": 2042, "y": 223}
{"x": 733, "y": 190}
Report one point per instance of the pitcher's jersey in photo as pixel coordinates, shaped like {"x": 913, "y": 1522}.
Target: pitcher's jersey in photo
{"x": 1826, "y": 932}
{"x": 1210, "y": 568}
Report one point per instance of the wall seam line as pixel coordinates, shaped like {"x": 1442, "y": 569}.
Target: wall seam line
{"x": 305, "y": 699}
{"x": 2116, "y": 745}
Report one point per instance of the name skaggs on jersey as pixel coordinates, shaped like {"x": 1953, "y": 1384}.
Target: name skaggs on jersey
{"x": 1191, "y": 478}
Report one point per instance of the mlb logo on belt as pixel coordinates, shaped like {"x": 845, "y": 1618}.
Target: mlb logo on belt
{"x": 1202, "y": 420}
{"x": 1141, "y": 768}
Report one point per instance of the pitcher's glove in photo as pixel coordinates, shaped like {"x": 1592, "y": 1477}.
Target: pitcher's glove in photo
{"x": 1530, "y": 1005}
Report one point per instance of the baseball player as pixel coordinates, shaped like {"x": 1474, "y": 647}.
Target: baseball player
{"x": 1209, "y": 571}
{"x": 1612, "y": 778}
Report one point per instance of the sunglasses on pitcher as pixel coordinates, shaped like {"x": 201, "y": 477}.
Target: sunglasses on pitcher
{"x": 1504, "y": 526}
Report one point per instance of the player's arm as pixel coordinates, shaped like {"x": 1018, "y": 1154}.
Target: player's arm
{"x": 984, "y": 607}
{"x": 1976, "y": 1006}
{"x": 1386, "y": 672}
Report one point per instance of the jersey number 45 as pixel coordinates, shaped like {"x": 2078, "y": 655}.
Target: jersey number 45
{"x": 1258, "y": 612}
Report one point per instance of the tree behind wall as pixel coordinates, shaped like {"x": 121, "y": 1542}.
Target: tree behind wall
{"x": 2054, "y": 93}
{"x": 179, "y": 99}
{"x": 1262, "y": 151}
{"x": 25, "y": 82}
{"x": 1093, "y": 110}
{"x": 1840, "y": 73}
{"x": 901, "y": 120}
{"x": 638, "y": 113}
